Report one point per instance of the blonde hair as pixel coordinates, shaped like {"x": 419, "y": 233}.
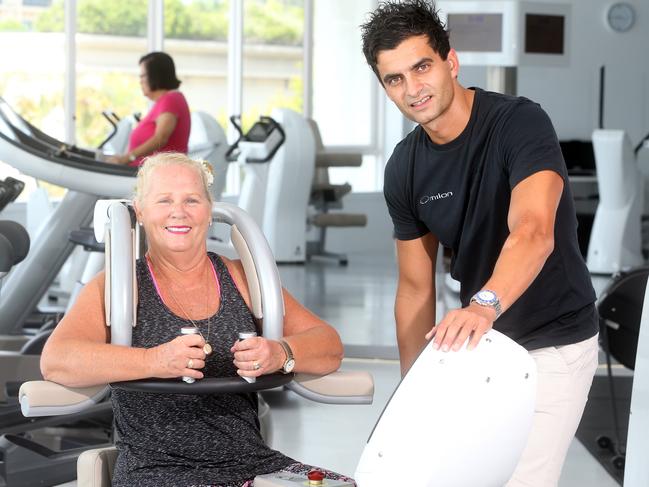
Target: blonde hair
{"x": 163, "y": 159}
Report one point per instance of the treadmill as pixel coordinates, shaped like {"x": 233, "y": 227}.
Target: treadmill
{"x": 44, "y": 452}
{"x": 41, "y": 156}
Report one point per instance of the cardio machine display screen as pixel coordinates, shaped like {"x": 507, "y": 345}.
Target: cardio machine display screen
{"x": 476, "y": 32}
{"x": 544, "y": 34}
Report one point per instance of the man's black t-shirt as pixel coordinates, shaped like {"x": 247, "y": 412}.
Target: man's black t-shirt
{"x": 460, "y": 191}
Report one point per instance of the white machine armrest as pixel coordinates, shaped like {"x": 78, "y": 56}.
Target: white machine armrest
{"x": 44, "y": 398}
{"x": 342, "y": 387}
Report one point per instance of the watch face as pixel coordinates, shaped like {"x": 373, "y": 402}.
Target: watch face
{"x": 288, "y": 366}
{"x": 486, "y": 296}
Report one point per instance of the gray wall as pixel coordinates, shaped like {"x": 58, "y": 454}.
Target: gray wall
{"x": 570, "y": 94}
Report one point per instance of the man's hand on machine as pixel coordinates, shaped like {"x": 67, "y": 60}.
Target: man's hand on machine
{"x": 461, "y": 324}
{"x": 257, "y": 356}
{"x": 181, "y": 357}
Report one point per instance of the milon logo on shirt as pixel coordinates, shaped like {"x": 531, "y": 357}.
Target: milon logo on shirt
{"x": 434, "y": 197}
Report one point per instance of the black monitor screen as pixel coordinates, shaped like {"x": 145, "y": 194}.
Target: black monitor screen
{"x": 544, "y": 34}
{"x": 579, "y": 156}
{"x": 476, "y": 32}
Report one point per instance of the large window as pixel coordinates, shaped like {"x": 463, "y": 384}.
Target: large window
{"x": 111, "y": 37}
{"x": 32, "y": 68}
{"x": 345, "y": 90}
{"x": 272, "y": 57}
{"x": 196, "y": 33}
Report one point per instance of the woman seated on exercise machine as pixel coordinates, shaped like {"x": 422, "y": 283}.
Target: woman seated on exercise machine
{"x": 182, "y": 439}
{"x": 167, "y": 125}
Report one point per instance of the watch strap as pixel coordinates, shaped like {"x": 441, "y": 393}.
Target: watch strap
{"x": 494, "y": 304}
{"x": 289, "y": 354}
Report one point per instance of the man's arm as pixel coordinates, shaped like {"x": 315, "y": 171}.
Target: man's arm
{"x": 531, "y": 218}
{"x": 415, "y": 302}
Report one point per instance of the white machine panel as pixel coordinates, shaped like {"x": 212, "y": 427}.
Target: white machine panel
{"x": 508, "y": 32}
{"x": 450, "y": 407}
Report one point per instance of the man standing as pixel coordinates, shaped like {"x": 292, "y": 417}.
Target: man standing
{"x": 483, "y": 175}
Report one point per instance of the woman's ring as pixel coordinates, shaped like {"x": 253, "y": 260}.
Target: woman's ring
{"x": 255, "y": 365}
{"x": 190, "y": 364}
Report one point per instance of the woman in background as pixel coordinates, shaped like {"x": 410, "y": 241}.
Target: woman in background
{"x": 166, "y": 127}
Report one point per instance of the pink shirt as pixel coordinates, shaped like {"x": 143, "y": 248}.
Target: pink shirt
{"x": 171, "y": 102}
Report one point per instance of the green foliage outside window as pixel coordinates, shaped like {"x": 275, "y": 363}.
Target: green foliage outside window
{"x": 110, "y": 91}
{"x": 267, "y": 21}
{"x": 11, "y": 25}
{"x": 278, "y": 22}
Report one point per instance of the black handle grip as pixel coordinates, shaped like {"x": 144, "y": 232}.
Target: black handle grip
{"x": 211, "y": 385}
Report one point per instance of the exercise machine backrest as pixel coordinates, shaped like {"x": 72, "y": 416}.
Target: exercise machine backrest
{"x": 450, "y": 407}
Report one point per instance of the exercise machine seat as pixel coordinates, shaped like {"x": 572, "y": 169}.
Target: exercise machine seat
{"x": 326, "y": 196}
{"x": 95, "y": 467}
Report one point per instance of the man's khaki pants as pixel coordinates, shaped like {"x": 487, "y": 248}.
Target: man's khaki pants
{"x": 565, "y": 374}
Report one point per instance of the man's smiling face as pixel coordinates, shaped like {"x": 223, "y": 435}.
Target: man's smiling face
{"x": 417, "y": 79}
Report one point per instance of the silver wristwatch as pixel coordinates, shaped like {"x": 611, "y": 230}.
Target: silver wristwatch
{"x": 289, "y": 363}
{"x": 488, "y": 299}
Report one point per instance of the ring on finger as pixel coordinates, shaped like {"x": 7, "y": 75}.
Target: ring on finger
{"x": 190, "y": 363}
{"x": 256, "y": 365}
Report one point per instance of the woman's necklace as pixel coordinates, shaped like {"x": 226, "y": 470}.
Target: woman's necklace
{"x": 207, "y": 348}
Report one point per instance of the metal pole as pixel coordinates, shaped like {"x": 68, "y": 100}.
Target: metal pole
{"x": 69, "y": 94}
{"x": 307, "y": 56}
{"x": 156, "y": 27}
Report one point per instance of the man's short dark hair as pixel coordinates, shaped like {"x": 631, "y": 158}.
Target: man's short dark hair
{"x": 393, "y": 22}
{"x": 160, "y": 71}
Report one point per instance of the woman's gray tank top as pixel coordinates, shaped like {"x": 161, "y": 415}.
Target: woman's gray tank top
{"x": 190, "y": 440}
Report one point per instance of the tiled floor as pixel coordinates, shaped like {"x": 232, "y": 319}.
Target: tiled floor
{"x": 358, "y": 301}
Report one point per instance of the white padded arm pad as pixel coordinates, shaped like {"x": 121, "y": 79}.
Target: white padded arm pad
{"x": 341, "y": 383}
{"x": 342, "y": 387}
{"x": 44, "y": 398}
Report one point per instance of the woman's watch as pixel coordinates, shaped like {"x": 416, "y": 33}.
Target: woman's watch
{"x": 289, "y": 363}
{"x": 488, "y": 299}
{"x": 131, "y": 157}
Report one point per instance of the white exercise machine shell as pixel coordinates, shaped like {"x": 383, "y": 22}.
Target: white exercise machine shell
{"x": 457, "y": 419}
{"x": 616, "y": 238}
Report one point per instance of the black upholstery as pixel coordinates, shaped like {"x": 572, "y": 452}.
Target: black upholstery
{"x": 620, "y": 308}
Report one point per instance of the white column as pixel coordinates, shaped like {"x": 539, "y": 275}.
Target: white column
{"x": 69, "y": 94}
{"x": 235, "y": 80}
{"x": 155, "y": 26}
{"x": 307, "y": 45}
{"x": 235, "y": 58}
